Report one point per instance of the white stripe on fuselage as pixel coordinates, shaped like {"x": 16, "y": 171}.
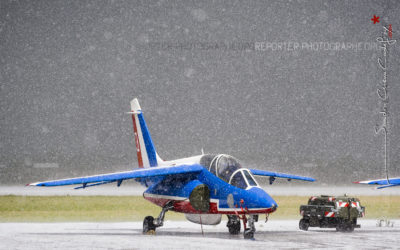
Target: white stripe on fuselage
{"x": 183, "y": 161}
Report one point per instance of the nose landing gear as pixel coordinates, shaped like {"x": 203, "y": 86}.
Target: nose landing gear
{"x": 251, "y": 229}
{"x": 150, "y": 224}
{"x": 234, "y": 222}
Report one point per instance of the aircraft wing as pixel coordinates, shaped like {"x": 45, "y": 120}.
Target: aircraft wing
{"x": 273, "y": 175}
{"x": 120, "y": 176}
{"x": 384, "y": 183}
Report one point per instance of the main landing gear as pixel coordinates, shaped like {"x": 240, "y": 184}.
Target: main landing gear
{"x": 150, "y": 224}
{"x": 234, "y": 225}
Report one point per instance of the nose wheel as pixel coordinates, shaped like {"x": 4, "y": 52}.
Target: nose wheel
{"x": 251, "y": 229}
{"x": 248, "y": 234}
{"x": 248, "y": 222}
{"x": 150, "y": 224}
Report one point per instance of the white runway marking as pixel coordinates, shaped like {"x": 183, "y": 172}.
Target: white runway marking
{"x": 185, "y": 235}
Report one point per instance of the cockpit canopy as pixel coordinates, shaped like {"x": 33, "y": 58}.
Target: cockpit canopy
{"x": 229, "y": 170}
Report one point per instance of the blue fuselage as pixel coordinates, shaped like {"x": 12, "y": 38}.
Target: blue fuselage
{"x": 224, "y": 198}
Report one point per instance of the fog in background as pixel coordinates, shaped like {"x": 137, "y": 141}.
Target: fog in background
{"x": 68, "y": 70}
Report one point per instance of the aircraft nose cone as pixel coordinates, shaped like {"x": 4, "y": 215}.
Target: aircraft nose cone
{"x": 261, "y": 199}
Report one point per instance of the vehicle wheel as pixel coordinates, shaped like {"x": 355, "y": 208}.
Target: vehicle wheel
{"x": 148, "y": 225}
{"x": 234, "y": 227}
{"x": 350, "y": 228}
{"x": 304, "y": 224}
{"x": 248, "y": 234}
{"x": 340, "y": 227}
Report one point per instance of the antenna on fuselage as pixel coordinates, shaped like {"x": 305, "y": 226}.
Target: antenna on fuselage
{"x": 202, "y": 151}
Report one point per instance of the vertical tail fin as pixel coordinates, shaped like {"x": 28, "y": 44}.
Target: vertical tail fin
{"x": 146, "y": 152}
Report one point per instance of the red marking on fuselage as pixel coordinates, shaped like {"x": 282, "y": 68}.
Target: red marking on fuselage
{"x": 185, "y": 207}
{"x": 390, "y": 34}
{"x": 138, "y": 151}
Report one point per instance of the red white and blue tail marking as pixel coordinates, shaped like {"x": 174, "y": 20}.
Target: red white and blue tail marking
{"x": 146, "y": 152}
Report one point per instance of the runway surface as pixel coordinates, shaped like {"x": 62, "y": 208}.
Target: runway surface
{"x": 137, "y": 190}
{"x": 282, "y": 234}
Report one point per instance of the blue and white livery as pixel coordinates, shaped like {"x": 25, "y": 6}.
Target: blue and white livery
{"x": 382, "y": 183}
{"x": 204, "y": 187}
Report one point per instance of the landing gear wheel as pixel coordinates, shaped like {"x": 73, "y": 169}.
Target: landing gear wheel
{"x": 233, "y": 224}
{"x": 250, "y": 230}
{"x": 148, "y": 225}
{"x": 304, "y": 224}
{"x": 248, "y": 234}
{"x": 234, "y": 228}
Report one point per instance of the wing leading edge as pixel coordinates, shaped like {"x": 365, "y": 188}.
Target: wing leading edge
{"x": 274, "y": 175}
{"x": 120, "y": 176}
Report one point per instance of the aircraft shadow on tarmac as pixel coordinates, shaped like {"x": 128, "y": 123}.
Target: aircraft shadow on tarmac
{"x": 139, "y": 233}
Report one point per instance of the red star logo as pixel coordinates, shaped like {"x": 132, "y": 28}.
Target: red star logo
{"x": 375, "y": 19}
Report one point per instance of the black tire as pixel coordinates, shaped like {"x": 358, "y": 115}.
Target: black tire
{"x": 248, "y": 234}
{"x": 345, "y": 227}
{"x": 350, "y": 228}
{"x": 304, "y": 224}
{"x": 234, "y": 228}
{"x": 233, "y": 225}
{"x": 340, "y": 227}
{"x": 148, "y": 225}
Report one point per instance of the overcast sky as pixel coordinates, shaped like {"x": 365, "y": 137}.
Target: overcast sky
{"x": 262, "y": 80}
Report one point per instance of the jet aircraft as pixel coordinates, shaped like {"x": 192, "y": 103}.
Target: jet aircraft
{"x": 203, "y": 187}
{"x": 382, "y": 183}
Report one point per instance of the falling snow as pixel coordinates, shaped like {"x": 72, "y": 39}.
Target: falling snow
{"x": 69, "y": 69}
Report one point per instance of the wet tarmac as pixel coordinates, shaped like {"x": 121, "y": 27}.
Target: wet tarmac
{"x": 281, "y": 234}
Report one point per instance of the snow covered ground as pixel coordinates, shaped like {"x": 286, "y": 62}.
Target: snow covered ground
{"x": 138, "y": 190}
{"x": 283, "y": 234}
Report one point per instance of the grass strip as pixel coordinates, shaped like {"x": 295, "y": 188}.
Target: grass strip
{"x": 135, "y": 208}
